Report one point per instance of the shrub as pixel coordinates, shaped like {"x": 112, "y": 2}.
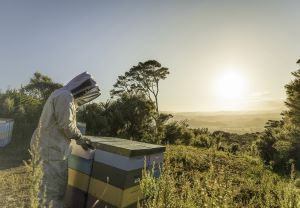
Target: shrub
{"x": 178, "y": 132}
{"x": 193, "y": 177}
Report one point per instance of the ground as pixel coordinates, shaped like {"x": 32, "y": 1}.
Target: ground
{"x": 14, "y": 187}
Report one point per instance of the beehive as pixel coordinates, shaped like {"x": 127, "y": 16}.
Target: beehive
{"x": 117, "y": 170}
{"x": 111, "y": 173}
{"x": 80, "y": 168}
{"x": 6, "y": 128}
{"x": 79, "y": 171}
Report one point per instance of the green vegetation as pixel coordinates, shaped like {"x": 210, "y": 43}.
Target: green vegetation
{"x": 25, "y": 105}
{"x": 194, "y": 177}
{"x": 279, "y": 144}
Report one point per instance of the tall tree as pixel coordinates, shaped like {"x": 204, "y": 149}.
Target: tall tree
{"x": 127, "y": 117}
{"x": 40, "y": 86}
{"x": 291, "y": 127}
{"x": 293, "y": 98}
{"x": 142, "y": 79}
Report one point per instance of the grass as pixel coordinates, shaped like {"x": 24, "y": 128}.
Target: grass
{"x": 14, "y": 187}
{"x": 14, "y": 176}
{"x": 194, "y": 177}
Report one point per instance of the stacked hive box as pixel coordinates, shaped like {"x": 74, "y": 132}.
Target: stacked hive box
{"x": 109, "y": 175}
{"x": 117, "y": 170}
{"x": 79, "y": 171}
{"x": 6, "y": 128}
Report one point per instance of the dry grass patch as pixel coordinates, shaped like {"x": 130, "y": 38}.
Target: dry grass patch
{"x": 14, "y": 187}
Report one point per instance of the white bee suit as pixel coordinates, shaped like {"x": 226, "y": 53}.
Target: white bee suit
{"x": 57, "y": 126}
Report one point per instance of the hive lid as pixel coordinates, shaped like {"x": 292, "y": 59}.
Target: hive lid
{"x": 125, "y": 147}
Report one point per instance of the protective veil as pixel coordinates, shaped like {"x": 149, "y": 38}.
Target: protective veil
{"x": 57, "y": 126}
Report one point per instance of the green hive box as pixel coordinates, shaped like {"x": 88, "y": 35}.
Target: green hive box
{"x": 117, "y": 170}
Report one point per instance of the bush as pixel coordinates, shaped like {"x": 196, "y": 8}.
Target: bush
{"x": 178, "y": 132}
{"x": 234, "y": 148}
{"x": 201, "y": 141}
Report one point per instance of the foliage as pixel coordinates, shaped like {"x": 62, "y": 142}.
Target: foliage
{"x": 25, "y": 105}
{"x": 280, "y": 141}
{"x": 178, "y": 133}
{"x": 130, "y": 116}
{"x": 40, "y": 87}
{"x": 194, "y": 177}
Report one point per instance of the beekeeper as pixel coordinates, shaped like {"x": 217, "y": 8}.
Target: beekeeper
{"x": 56, "y": 128}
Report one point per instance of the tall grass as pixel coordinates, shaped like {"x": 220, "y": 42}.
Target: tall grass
{"x": 206, "y": 178}
{"x": 191, "y": 177}
{"x": 35, "y": 168}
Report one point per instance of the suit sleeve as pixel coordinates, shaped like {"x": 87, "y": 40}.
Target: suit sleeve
{"x": 65, "y": 114}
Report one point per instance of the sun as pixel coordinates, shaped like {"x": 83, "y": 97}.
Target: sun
{"x": 230, "y": 85}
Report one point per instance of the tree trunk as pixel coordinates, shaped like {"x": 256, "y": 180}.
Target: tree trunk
{"x": 156, "y": 103}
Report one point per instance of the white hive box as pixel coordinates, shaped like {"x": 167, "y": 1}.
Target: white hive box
{"x": 6, "y": 128}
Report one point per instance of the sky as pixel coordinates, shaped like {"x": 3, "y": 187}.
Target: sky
{"x": 222, "y": 55}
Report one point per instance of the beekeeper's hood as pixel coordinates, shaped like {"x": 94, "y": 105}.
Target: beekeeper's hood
{"x": 84, "y": 88}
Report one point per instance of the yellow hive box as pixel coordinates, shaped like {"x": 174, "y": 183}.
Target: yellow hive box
{"x": 113, "y": 195}
{"x": 78, "y": 180}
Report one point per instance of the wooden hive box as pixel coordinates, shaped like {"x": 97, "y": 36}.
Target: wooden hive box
{"x": 117, "y": 170}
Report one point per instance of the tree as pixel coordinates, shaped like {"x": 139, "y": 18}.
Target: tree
{"x": 136, "y": 113}
{"x": 40, "y": 86}
{"x": 25, "y": 105}
{"x": 142, "y": 79}
{"x": 127, "y": 117}
{"x": 291, "y": 117}
{"x": 280, "y": 141}
{"x": 8, "y": 105}
{"x": 96, "y": 118}
{"x": 293, "y": 99}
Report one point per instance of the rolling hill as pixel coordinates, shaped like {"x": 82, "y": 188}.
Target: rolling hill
{"x": 234, "y": 122}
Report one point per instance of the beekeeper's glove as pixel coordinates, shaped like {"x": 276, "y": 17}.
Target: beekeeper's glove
{"x": 85, "y": 143}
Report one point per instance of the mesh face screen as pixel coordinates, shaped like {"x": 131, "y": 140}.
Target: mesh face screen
{"x": 81, "y": 89}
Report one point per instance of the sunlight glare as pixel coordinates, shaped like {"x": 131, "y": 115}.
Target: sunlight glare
{"x": 230, "y": 85}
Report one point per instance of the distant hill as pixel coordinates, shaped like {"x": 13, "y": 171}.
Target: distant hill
{"x": 235, "y": 122}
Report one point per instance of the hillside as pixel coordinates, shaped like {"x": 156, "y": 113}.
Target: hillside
{"x": 192, "y": 177}
{"x": 234, "y": 122}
